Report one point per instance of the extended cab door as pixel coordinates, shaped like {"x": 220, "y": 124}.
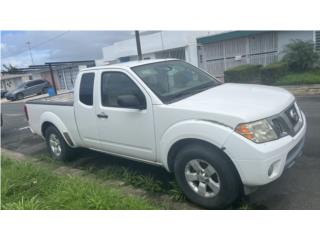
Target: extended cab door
{"x": 85, "y": 112}
{"x": 122, "y": 130}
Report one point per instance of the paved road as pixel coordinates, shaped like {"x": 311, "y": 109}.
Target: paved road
{"x": 298, "y": 188}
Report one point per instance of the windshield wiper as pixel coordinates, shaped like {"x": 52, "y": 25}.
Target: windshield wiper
{"x": 191, "y": 91}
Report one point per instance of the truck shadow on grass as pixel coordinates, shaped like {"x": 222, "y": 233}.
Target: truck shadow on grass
{"x": 150, "y": 178}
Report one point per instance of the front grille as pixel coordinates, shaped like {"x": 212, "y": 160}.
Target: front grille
{"x": 287, "y": 122}
{"x": 280, "y": 126}
{"x": 292, "y": 115}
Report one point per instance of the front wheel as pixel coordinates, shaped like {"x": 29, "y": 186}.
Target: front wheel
{"x": 19, "y": 96}
{"x": 57, "y": 146}
{"x": 206, "y": 176}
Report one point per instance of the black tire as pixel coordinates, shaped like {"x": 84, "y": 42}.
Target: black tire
{"x": 67, "y": 153}
{"x": 19, "y": 96}
{"x": 229, "y": 180}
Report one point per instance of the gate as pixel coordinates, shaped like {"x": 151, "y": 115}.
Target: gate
{"x": 255, "y": 49}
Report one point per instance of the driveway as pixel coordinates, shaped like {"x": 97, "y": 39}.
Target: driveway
{"x": 298, "y": 188}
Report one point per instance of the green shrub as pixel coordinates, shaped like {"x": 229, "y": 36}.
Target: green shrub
{"x": 300, "y": 55}
{"x": 243, "y": 74}
{"x": 307, "y": 77}
{"x": 272, "y": 72}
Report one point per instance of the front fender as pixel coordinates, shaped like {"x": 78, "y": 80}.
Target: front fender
{"x": 205, "y": 130}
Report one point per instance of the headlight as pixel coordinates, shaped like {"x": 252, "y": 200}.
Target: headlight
{"x": 259, "y": 132}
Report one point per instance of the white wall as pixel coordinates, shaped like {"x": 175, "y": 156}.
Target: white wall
{"x": 36, "y": 75}
{"x": 10, "y": 82}
{"x": 155, "y": 42}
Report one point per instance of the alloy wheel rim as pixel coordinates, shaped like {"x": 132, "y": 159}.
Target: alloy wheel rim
{"x": 55, "y": 145}
{"x": 202, "y": 178}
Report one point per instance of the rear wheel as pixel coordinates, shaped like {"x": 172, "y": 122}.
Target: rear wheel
{"x": 206, "y": 176}
{"x": 57, "y": 146}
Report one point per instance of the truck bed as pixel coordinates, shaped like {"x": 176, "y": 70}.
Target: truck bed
{"x": 64, "y": 99}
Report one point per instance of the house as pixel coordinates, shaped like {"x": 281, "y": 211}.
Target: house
{"x": 64, "y": 73}
{"x": 12, "y": 81}
{"x": 155, "y": 44}
{"x": 219, "y": 52}
{"x": 213, "y": 51}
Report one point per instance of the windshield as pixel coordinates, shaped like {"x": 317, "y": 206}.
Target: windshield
{"x": 174, "y": 80}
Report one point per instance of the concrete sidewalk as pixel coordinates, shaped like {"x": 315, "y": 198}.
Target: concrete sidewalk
{"x": 310, "y": 89}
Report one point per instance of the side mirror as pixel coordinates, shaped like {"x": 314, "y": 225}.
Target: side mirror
{"x": 130, "y": 101}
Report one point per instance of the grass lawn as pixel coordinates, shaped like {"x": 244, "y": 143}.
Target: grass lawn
{"x": 130, "y": 173}
{"x": 26, "y": 185}
{"x": 308, "y": 77}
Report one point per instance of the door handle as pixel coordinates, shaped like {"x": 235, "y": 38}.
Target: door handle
{"x": 102, "y": 115}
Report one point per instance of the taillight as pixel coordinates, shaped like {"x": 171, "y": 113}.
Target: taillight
{"x": 26, "y": 112}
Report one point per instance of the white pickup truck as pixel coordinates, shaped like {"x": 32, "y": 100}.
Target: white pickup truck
{"x": 218, "y": 139}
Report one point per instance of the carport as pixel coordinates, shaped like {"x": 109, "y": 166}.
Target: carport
{"x": 63, "y": 73}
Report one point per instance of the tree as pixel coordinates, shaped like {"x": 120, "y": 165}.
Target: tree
{"x": 300, "y": 55}
{"x": 10, "y": 69}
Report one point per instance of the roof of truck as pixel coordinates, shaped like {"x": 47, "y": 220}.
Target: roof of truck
{"x": 129, "y": 64}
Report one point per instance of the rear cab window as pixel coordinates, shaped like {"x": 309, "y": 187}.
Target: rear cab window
{"x": 86, "y": 88}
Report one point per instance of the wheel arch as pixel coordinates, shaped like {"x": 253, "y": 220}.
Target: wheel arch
{"x": 49, "y": 119}
{"x": 182, "y": 143}
{"x": 197, "y": 130}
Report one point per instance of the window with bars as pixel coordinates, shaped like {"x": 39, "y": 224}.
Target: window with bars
{"x": 178, "y": 53}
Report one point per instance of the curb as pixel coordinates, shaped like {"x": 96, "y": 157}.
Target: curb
{"x": 303, "y": 89}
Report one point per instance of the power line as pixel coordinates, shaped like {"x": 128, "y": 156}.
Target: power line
{"x": 40, "y": 44}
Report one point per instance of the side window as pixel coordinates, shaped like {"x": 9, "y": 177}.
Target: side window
{"x": 86, "y": 88}
{"x": 114, "y": 84}
{"x": 38, "y": 82}
{"x": 30, "y": 84}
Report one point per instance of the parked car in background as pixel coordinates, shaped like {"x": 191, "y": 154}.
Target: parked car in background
{"x": 27, "y": 89}
{"x": 218, "y": 139}
{"x": 3, "y": 93}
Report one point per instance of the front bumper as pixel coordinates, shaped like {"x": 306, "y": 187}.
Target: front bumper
{"x": 259, "y": 164}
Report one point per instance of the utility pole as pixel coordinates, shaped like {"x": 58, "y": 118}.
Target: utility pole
{"x": 30, "y": 52}
{"x": 138, "y": 45}
{"x": 52, "y": 79}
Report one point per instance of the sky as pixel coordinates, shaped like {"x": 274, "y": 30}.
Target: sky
{"x": 50, "y": 46}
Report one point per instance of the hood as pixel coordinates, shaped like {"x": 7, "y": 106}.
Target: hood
{"x": 14, "y": 91}
{"x": 240, "y": 102}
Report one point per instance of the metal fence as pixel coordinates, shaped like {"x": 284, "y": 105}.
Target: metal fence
{"x": 257, "y": 49}
{"x": 178, "y": 53}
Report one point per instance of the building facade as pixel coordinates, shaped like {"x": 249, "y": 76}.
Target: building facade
{"x": 64, "y": 74}
{"x": 10, "y": 82}
{"x": 219, "y": 52}
{"x": 156, "y": 44}
{"x": 213, "y": 51}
